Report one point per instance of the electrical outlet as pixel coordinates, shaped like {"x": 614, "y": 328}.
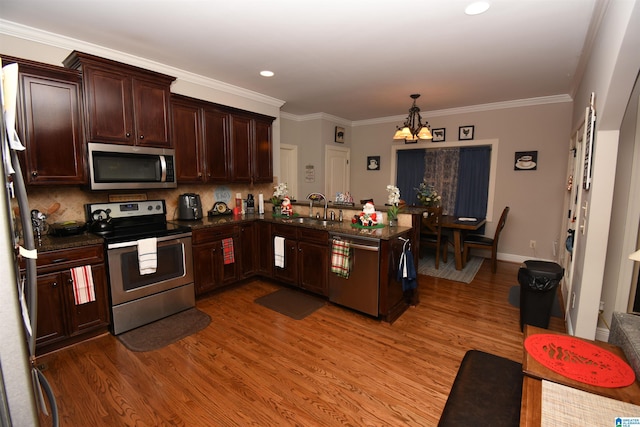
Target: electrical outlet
{"x": 532, "y": 244}
{"x": 601, "y": 306}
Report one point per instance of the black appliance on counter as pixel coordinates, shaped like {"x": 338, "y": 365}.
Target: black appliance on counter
{"x": 189, "y": 207}
{"x": 139, "y": 297}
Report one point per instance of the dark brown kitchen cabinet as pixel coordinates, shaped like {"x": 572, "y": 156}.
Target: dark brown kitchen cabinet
{"x": 306, "y": 258}
{"x": 264, "y": 244}
{"x": 263, "y": 152}
{"x": 210, "y": 270}
{"x": 218, "y": 144}
{"x": 249, "y": 254}
{"x": 60, "y": 321}
{"x": 313, "y": 261}
{"x": 50, "y": 123}
{"x": 124, "y": 104}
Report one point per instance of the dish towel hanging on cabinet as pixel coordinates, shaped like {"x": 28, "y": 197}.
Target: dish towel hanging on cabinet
{"x": 278, "y": 251}
{"x": 341, "y": 258}
{"x": 83, "y": 289}
{"x": 406, "y": 269}
{"x": 147, "y": 255}
{"x": 227, "y": 250}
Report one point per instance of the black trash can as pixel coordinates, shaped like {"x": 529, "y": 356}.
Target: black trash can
{"x": 538, "y": 283}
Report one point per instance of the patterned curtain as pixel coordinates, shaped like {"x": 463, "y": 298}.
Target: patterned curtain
{"x": 441, "y": 170}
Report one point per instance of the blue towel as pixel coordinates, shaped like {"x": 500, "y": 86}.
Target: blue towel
{"x": 407, "y": 271}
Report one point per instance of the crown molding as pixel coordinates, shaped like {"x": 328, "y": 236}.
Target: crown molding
{"x": 56, "y": 40}
{"x": 315, "y": 116}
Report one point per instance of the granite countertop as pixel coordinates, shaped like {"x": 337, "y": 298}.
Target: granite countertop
{"x": 52, "y": 243}
{"x": 344, "y": 227}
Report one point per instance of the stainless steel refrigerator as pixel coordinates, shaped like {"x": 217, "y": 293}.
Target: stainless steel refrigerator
{"x": 22, "y": 385}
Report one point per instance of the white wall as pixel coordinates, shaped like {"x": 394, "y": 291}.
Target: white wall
{"x": 610, "y": 73}
{"x": 535, "y": 197}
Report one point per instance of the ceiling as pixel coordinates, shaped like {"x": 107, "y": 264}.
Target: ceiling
{"x": 354, "y": 59}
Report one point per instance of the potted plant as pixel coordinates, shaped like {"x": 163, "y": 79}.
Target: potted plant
{"x": 427, "y": 194}
{"x": 279, "y": 192}
{"x": 393, "y": 200}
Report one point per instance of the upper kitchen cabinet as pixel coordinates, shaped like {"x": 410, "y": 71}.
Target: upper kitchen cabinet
{"x": 124, "y": 104}
{"x": 50, "y": 123}
{"x": 215, "y": 143}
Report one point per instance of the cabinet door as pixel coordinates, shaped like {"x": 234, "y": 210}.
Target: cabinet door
{"x": 210, "y": 271}
{"x": 90, "y": 315}
{"x": 248, "y": 249}
{"x": 265, "y": 249}
{"x": 51, "y": 318}
{"x": 187, "y": 138}
{"x": 51, "y": 127}
{"x": 263, "y": 152}
{"x": 313, "y": 263}
{"x": 241, "y": 147}
{"x": 289, "y": 273}
{"x": 109, "y": 106}
{"x": 151, "y": 106}
{"x": 216, "y": 136}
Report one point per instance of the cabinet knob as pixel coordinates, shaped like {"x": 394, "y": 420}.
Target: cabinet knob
{"x": 54, "y": 285}
{"x": 128, "y": 134}
{"x": 34, "y": 173}
{"x": 141, "y": 136}
{"x": 199, "y": 174}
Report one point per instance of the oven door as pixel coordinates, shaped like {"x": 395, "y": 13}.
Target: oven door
{"x": 174, "y": 268}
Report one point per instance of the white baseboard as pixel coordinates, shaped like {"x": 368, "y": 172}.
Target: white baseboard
{"x": 602, "y": 334}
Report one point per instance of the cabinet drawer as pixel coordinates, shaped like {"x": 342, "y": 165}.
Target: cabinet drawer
{"x": 68, "y": 258}
{"x": 205, "y": 235}
{"x": 317, "y": 236}
{"x": 284, "y": 230}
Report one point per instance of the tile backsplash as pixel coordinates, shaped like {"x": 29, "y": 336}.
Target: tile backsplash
{"x": 73, "y": 199}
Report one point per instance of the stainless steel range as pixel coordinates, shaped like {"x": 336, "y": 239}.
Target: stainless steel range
{"x": 140, "y": 295}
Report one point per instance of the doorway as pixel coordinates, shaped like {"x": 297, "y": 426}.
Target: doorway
{"x": 337, "y": 170}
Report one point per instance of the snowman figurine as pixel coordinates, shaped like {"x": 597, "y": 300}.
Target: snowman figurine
{"x": 368, "y": 216}
{"x": 287, "y": 209}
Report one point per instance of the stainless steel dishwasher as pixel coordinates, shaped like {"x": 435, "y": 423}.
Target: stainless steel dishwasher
{"x": 361, "y": 290}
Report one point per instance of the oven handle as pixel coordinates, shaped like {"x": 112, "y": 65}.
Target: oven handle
{"x": 160, "y": 239}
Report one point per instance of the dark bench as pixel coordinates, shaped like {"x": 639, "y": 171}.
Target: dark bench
{"x": 486, "y": 392}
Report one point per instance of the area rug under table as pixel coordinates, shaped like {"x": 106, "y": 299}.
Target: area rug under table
{"x": 292, "y": 303}
{"x": 427, "y": 267}
{"x": 165, "y": 331}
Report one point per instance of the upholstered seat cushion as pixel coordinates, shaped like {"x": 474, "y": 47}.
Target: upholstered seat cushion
{"x": 478, "y": 240}
{"x": 487, "y": 391}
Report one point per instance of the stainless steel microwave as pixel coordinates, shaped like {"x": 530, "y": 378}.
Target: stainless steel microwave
{"x": 121, "y": 167}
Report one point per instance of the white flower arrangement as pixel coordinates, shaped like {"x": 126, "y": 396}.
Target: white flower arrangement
{"x": 280, "y": 191}
{"x": 393, "y": 199}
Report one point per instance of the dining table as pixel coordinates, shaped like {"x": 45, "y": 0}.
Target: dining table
{"x": 459, "y": 226}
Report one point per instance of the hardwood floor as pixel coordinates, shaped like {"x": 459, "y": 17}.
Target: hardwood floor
{"x": 252, "y": 366}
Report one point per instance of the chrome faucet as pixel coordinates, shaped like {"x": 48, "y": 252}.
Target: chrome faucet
{"x": 317, "y": 196}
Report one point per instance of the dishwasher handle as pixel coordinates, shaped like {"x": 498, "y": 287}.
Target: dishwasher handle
{"x": 364, "y": 247}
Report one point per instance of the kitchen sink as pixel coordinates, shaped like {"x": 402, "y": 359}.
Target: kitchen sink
{"x": 311, "y": 221}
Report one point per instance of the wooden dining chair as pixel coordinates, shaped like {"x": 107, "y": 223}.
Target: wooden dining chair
{"x": 482, "y": 242}
{"x": 431, "y": 233}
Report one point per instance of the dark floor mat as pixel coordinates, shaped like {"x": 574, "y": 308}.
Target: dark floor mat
{"x": 165, "y": 331}
{"x": 292, "y": 303}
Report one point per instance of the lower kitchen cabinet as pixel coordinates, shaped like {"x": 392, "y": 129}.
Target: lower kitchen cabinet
{"x": 306, "y": 258}
{"x": 249, "y": 254}
{"x": 209, "y": 267}
{"x": 264, "y": 243}
{"x": 60, "y": 321}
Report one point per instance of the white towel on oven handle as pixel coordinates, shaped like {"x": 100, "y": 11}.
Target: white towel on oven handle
{"x": 147, "y": 255}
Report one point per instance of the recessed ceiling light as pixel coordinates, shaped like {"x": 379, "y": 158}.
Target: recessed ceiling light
{"x": 267, "y": 73}
{"x": 477, "y": 8}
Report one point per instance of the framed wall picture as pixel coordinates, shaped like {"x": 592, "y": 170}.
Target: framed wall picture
{"x": 526, "y": 161}
{"x": 465, "y": 133}
{"x": 589, "y": 140}
{"x": 339, "y": 134}
{"x": 373, "y": 163}
{"x": 438, "y": 135}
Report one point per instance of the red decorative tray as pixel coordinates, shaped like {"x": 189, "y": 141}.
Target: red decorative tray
{"x": 579, "y": 360}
